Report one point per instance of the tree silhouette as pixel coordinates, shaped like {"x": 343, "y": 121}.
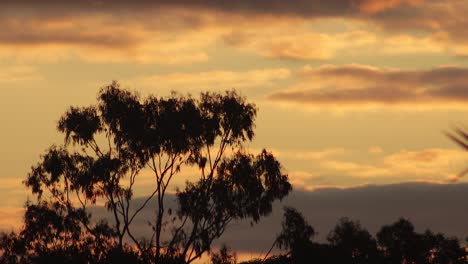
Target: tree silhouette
{"x": 440, "y": 249}
{"x": 295, "y": 236}
{"x": 353, "y": 243}
{"x": 398, "y": 243}
{"x": 54, "y": 234}
{"x": 108, "y": 146}
{"x": 224, "y": 256}
{"x": 401, "y": 244}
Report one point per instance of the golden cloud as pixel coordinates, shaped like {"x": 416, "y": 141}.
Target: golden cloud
{"x": 362, "y": 85}
{"x": 297, "y": 42}
{"x": 436, "y": 165}
{"x": 376, "y": 6}
{"x": 433, "y": 164}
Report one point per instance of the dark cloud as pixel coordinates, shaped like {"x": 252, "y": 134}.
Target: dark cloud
{"x": 50, "y": 9}
{"x": 445, "y": 22}
{"x": 353, "y": 84}
{"x": 305, "y": 8}
{"x": 27, "y": 21}
{"x": 41, "y": 36}
{"x": 441, "y": 208}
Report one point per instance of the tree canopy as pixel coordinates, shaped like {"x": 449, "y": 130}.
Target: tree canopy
{"x": 107, "y": 149}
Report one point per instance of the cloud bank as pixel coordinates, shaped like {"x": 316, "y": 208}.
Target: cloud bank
{"x": 441, "y": 208}
{"x": 361, "y": 84}
{"x": 185, "y": 31}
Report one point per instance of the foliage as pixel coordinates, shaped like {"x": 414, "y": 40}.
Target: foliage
{"x": 353, "y": 243}
{"x": 349, "y": 242}
{"x": 296, "y": 235}
{"x": 400, "y": 243}
{"x": 109, "y": 146}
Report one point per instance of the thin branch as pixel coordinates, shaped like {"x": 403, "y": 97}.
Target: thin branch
{"x": 143, "y": 206}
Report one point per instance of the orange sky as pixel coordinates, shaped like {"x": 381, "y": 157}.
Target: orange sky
{"x": 350, "y": 92}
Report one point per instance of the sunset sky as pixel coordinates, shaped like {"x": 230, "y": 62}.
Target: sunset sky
{"x": 350, "y": 92}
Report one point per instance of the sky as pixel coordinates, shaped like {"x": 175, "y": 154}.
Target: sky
{"x": 350, "y": 93}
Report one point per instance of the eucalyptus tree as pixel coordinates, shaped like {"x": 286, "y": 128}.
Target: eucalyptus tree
{"x": 109, "y": 146}
{"x": 353, "y": 243}
{"x": 296, "y": 236}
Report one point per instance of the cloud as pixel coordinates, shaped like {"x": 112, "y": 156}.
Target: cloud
{"x": 165, "y": 33}
{"x": 300, "y": 180}
{"x": 302, "y": 8}
{"x": 309, "y": 155}
{"x": 19, "y": 73}
{"x": 440, "y": 207}
{"x": 360, "y": 85}
{"x": 433, "y": 164}
{"x": 405, "y": 43}
{"x": 184, "y": 31}
{"x": 441, "y": 22}
{"x": 99, "y": 40}
{"x": 82, "y": 30}
{"x": 215, "y": 79}
{"x": 298, "y": 42}
{"x": 429, "y": 163}
{"x": 305, "y": 46}
{"x": 343, "y": 169}
{"x": 375, "y": 6}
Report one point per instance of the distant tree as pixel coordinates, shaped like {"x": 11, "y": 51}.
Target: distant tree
{"x": 108, "y": 146}
{"x": 440, "y": 249}
{"x": 295, "y": 236}
{"x": 224, "y": 256}
{"x": 400, "y": 243}
{"x": 353, "y": 243}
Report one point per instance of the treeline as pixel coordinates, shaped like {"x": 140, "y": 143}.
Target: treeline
{"x": 351, "y": 243}
{"x": 348, "y": 242}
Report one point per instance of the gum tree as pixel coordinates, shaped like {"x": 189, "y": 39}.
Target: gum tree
{"x": 108, "y": 146}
